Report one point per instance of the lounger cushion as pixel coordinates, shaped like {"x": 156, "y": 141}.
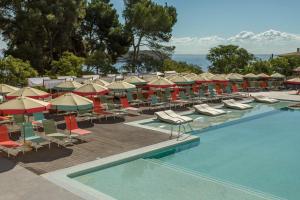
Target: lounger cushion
{"x": 9, "y": 144}
{"x": 236, "y": 105}
{"x": 207, "y": 110}
{"x": 57, "y": 135}
{"x": 80, "y": 131}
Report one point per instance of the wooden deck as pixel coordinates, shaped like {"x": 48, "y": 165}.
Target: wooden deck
{"x": 108, "y": 137}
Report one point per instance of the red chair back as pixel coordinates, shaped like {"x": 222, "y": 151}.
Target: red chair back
{"x": 234, "y": 88}
{"x": 124, "y": 102}
{"x": 71, "y": 122}
{"x": 3, "y": 133}
{"x": 174, "y": 96}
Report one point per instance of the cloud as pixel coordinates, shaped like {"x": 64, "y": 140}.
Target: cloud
{"x": 270, "y": 41}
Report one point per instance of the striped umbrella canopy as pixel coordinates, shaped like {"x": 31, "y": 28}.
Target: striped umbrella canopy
{"x": 91, "y": 89}
{"x": 250, "y": 76}
{"x": 263, "y": 75}
{"x": 4, "y": 89}
{"x": 28, "y": 92}
{"x": 68, "y": 86}
{"x": 23, "y": 105}
{"x": 161, "y": 82}
{"x": 98, "y": 81}
{"x": 297, "y": 69}
{"x": 234, "y": 77}
{"x": 120, "y": 86}
{"x": 277, "y": 76}
{"x": 220, "y": 78}
{"x": 191, "y": 76}
{"x": 71, "y": 102}
{"x": 203, "y": 78}
{"x": 294, "y": 81}
{"x": 149, "y": 78}
{"x": 207, "y": 74}
{"x": 135, "y": 80}
{"x": 180, "y": 80}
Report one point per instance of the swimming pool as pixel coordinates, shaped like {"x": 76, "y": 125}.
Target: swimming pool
{"x": 255, "y": 157}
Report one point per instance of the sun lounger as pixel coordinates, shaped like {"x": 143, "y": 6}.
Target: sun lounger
{"x": 6, "y": 144}
{"x": 55, "y": 136}
{"x": 127, "y": 108}
{"x": 34, "y": 140}
{"x": 231, "y": 103}
{"x": 264, "y": 99}
{"x": 171, "y": 117}
{"x": 72, "y": 126}
{"x": 207, "y": 110}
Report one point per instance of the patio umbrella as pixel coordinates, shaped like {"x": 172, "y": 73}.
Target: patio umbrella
{"x": 251, "y": 76}
{"x": 120, "y": 86}
{"x": 101, "y": 82}
{"x": 135, "y": 80}
{"x": 71, "y": 102}
{"x": 277, "y": 76}
{"x": 263, "y": 75}
{"x": 234, "y": 77}
{"x": 203, "y": 78}
{"x": 28, "y": 92}
{"x": 180, "y": 80}
{"x": 191, "y": 76}
{"x": 68, "y": 86}
{"x": 149, "y": 78}
{"x": 161, "y": 82}
{"x": 23, "y": 105}
{"x": 4, "y": 89}
{"x": 207, "y": 75}
{"x": 221, "y": 78}
{"x": 294, "y": 81}
{"x": 90, "y": 89}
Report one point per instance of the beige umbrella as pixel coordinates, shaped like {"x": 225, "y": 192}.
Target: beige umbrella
{"x": 263, "y": 75}
{"x": 161, "y": 82}
{"x": 68, "y": 86}
{"x": 191, "y": 76}
{"x": 4, "y": 89}
{"x": 101, "y": 82}
{"x": 203, "y": 78}
{"x": 149, "y": 78}
{"x": 219, "y": 78}
{"x": 135, "y": 80}
{"x": 297, "y": 69}
{"x": 180, "y": 80}
{"x": 294, "y": 81}
{"x": 251, "y": 76}
{"x": 120, "y": 86}
{"x": 234, "y": 77}
{"x": 71, "y": 102}
{"x": 278, "y": 75}
{"x": 23, "y": 105}
{"x": 28, "y": 92}
{"x": 91, "y": 89}
{"x": 207, "y": 75}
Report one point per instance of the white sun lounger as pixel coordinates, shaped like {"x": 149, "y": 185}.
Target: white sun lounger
{"x": 207, "y": 110}
{"x": 264, "y": 99}
{"x": 231, "y": 103}
{"x": 171, "y": 117}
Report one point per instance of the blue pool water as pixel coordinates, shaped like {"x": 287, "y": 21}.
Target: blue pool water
{"x": 255, "y": 158}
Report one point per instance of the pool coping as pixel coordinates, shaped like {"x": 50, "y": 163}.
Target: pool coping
{"x": 62, "y": 179}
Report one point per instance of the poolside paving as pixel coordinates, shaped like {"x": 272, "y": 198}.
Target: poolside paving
{"x": 108, "y": 137}
{"x": 282, "y": 95}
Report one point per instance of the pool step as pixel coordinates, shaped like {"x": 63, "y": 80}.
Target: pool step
{"x": 194, "y": 173}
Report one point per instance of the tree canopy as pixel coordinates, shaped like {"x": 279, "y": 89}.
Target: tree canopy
{"x": 150, "y": 26}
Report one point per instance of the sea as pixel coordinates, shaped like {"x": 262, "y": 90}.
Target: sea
{"x": 201, "y": 60}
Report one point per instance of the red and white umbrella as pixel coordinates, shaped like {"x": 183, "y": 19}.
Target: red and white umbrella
{"x": 23, "y": 105}
{"x": 28, "y": 92}
{"x": 294, "y": 81}
{"x": 161, "y": 82}
{"x": 91, "y": 89}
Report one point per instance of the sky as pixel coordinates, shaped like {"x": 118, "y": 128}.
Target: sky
{"x": 260, "y": 26}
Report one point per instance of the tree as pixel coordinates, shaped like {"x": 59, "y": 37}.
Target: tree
{"x": 149, "y": 24}
{"x": 104, "y": 36}
{"x": 40, "y": 31}
{"x": 261, "y": 66}
{"x": 99, "y": 62}
{"x": 15, "y": 71}
{"x": 180, "y": 67}
{"x": 69, "y": 65}
{"x": 229, "y": 58}
{"x": 281, "y": 65}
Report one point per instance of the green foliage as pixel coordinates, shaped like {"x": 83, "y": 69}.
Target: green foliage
{"x": 40, "y": 31}
{"x": 150, "y": 25}
{"x": 180, "y": 67}
{"x": 68, "y": 65}
{"x": 229, "y": 58}
{"x": 99, "y": 62}
{"x": 102, "y": 31}
{"x": 15, "y": 71}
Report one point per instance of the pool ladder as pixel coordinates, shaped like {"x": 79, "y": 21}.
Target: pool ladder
{"x": 182, "y": 130}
